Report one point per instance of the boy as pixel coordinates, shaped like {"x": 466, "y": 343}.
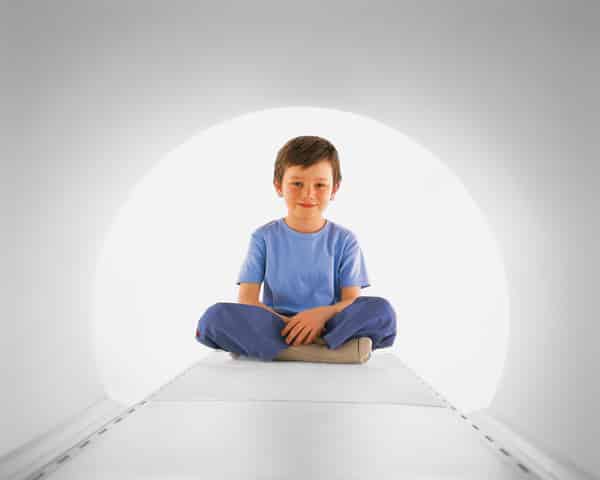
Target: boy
{"x": 313, "y": 271}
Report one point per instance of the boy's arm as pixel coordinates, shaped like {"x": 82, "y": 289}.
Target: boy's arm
{"x": 249, "y": 294}
{"x": 332, "y": 310}
{"x": 260, "y": 304}
{"x": 349, "y": 294}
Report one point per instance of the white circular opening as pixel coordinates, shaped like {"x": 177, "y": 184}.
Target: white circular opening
{"x": 177, "y": 244}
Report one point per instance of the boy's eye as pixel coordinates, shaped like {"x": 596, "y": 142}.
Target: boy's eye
{"x": 320, "y": 184}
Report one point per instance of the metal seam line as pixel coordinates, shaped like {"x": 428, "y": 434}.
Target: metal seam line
{"x": 71, "y": 452}
{"x": 518, "y": 463}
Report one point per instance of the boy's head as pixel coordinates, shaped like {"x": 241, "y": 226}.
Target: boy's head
{"x": 307, "y": 171}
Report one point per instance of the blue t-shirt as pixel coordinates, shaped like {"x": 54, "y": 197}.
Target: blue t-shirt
{"x": 303, "y": 270}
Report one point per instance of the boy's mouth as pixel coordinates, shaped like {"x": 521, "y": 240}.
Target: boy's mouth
{"x": 306, "y": 206}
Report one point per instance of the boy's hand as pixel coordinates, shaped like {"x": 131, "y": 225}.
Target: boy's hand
{"x": 305, "y": 326}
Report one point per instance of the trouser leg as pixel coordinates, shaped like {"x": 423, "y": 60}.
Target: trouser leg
{"x": 372, "y": 317}
{"x": 255, "y": 332}
{"x": 245, "y": 329}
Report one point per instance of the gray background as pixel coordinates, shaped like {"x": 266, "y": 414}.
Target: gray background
{"x": 94, "y": 94}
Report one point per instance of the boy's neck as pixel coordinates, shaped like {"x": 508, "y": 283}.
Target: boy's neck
{"x": 308, "y": 225}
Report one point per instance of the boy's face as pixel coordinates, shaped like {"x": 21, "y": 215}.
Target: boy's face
{"x": 311, "y": 186}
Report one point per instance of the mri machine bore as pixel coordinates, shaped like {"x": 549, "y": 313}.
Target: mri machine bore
{"x": 96, "y": 385}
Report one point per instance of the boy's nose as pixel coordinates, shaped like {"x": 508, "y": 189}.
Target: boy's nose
{"x": 309, "y": 193}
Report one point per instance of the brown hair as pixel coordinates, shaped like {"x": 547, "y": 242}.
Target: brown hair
{"x": 306, "y": 151}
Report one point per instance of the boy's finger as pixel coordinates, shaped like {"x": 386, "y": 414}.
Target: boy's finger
{"x": 298, "y": 340}
{"x": 289, "y": 337}
{"x": 306, "y": 335}
{"x": 289, "y": 326}
{"x": 294, "y": 333}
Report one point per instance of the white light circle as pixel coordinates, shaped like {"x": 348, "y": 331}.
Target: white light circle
{"x": 177, "y": 244}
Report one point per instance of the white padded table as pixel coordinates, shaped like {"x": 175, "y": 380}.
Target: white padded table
{"x": 383, "y": 379}
{"x": 248, "y": 419}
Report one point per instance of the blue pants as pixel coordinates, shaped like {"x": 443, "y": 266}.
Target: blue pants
{"x": 255, "y": 332}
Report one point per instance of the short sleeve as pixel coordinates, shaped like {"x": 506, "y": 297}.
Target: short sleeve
{"x": 353, "y": 270}
{"x": 253, "y": 268}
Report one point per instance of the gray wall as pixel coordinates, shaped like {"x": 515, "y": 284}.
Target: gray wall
{"x": 94, "y": 95}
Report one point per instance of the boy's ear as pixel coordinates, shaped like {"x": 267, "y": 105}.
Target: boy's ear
{"x": 277, "y": 187}
{"x": 335, "y": 189}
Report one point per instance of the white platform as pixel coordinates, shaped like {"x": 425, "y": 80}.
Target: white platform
{"x": 383, "y": 379}
{"x": 247, "y": 419}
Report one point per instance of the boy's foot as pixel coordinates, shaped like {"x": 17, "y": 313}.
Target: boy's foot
{"x": 234, "y": 355}
{"x": 356, "y": 350}
{"x": 365, "y": 347}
